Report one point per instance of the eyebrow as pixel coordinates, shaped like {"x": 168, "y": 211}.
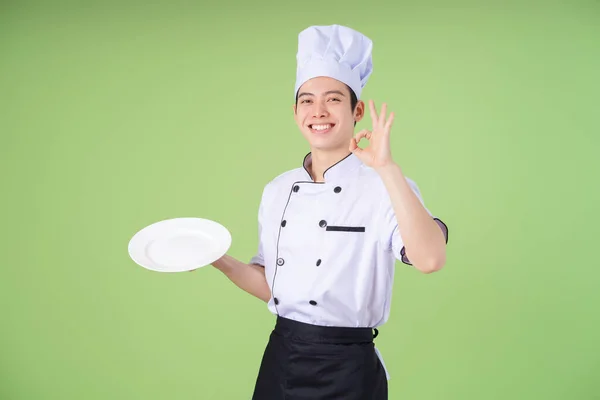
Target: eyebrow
{"x": 326, "y": 93}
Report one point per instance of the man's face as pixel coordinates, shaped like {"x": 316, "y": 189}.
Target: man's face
{"x": 324, "y": 114}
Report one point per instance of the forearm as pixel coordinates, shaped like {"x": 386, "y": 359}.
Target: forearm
{"x": 424, "y": 241}
{"x": 248, "y": 277}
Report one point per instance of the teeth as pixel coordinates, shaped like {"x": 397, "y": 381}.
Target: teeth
{"x": 321, "y": 127}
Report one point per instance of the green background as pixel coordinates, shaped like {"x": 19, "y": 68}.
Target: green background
{"x": 115, "y": 115}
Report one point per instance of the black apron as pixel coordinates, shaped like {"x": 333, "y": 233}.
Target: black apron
{"x": 309, "y": 362}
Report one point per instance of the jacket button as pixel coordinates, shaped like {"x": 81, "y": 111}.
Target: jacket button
{"x": 337, "y": 189}
{"x": 283, "y": 223}
{"x": 323, "y": 223}
{"x": 280, "y": 261}
{"x": 276, "y": 300}
{"x": 296, "y": 188}
{"x": 313, "y": 303}
{"x": 318, "y": 262}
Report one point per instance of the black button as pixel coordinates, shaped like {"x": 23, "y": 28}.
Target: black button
{"x": 283, "y": 223}
{"x": 337, "y": 189}
{"x": 323, "y": 223}
{"x": 280, "y": 261}
{"x": 296, "y": 188}
{"x": 312, "y": 302}
{"x": 276, "y": 300}
{"x": 318, "y": 262}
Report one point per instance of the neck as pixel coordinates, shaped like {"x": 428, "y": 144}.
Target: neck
{"x": 323, "y": 159}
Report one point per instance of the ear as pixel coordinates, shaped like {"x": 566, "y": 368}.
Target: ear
{"x": 294, "y": 108}
{"x": 359, "y": 112}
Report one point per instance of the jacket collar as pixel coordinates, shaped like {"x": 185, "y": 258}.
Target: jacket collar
{"x": 341, "y": 169}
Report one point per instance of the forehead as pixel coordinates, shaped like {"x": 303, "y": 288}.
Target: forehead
{"x": 322, "y": 84}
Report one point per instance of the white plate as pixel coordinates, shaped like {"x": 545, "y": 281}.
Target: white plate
{"x": 179, "y": 244}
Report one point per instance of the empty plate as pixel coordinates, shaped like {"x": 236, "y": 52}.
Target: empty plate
{"x": 179, "y": 244}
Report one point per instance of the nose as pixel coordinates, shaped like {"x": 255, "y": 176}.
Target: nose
{"x": 320, "y": 110}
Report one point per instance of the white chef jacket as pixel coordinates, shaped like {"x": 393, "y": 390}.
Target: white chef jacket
{"x": 329, "y": 248}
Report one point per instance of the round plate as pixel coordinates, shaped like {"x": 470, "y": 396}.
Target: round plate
{"x": 179, "y": 244}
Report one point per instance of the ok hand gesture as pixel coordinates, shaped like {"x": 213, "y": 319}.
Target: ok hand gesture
{"x": 377, "y": 154}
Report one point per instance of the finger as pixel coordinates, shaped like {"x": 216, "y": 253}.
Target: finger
{"x": 354, "y": 146}
{"x": 374, "y": 116}
{"x": 383, "y": 115}
{"x": 388, "y": 124}
{"x": 365, "y": 133}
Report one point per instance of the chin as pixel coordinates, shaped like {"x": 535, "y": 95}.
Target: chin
{"x": 329, "y": 140}
{"x": 324, "y": 145}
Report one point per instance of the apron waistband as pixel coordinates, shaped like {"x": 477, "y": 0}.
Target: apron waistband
{"x": 323, "y": 334}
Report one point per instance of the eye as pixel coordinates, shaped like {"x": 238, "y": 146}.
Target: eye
{"x": 305, "y": 101}
{"x": 334, "y": 99}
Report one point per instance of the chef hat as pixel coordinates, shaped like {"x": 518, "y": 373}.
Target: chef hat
{"x": 334, "y": 51}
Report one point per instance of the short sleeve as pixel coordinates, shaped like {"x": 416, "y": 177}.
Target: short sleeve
{"x": 259, "y": 257}
{"x": 392, "y": 236}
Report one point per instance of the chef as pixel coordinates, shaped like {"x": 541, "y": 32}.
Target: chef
{"x": 330, "y": 232}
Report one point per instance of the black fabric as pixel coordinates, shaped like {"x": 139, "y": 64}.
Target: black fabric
{"x": 308, "y": 362}
{"x": 345, "y": 228}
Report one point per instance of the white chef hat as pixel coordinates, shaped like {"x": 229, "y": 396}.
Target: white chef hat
{"x": 334, "y": 51}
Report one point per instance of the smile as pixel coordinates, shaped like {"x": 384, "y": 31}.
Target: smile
{"x": 320, "y": 128}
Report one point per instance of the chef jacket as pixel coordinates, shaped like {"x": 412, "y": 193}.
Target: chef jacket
{"x": 329, "y": 248}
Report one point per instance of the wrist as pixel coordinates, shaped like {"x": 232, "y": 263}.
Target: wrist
{"x": 387, "y": 169}
{"x": 221, "y": 264}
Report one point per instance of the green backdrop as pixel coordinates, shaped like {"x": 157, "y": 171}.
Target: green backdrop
{"x": 115, "y": 115}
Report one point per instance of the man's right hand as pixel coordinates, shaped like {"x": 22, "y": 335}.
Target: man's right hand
{"x": 248, "y": 277}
